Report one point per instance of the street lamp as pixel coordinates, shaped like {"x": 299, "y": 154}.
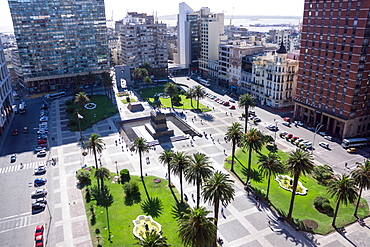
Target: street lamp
{"x": 318, "y": 127}
{"x": 79, "y": 126}
{"x": 116, "y": 166}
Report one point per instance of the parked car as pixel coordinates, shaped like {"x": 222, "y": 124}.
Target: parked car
{"x": 41, "y": 200}
{"x": 283, "y": 134}
{"x": 324, "y": 145}
{"x": 329, "y": 138}
{"x": 39, "y": 193}
{"x": 232, "y": 101}
{"x": 226, "y": 103}
{"x": 232, "y": 107}
{"x": 298, "y": 123}
{"x": 295, "y": 138}
{"x": 42, "y": 141}
{"x": 39, "y": 230}
{"x": 287, "y": 119}
{"x": 351, "y": 150}
{"x": 256, "y": 119}
{"x": 41, "y": 153}
{"x": 39, "y": 148}
{"x": 39, "y": 181}
{"x": 289, "y": 135}
{"x": 322, "y": 133}
{"x": 272, "y": 127}
{"x": 44, "y": 119}
{"x": 44, "y": 106}
{"x": 15, "y": 132}
{"x": 40, "y": 170}
{"x": 38, "y": 206}
{"x": 13, "y": 158}
{"x": 286, "y": 124}
{"x": 39, "y": 241}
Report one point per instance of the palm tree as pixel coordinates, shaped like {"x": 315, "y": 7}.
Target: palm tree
{"x": 140, "y": 146}
{"x": 153, "y": 239}
{"x": 234, "y": 134}
{"x": 178, "y": 164}
{"x": 198, "y": 170}
{"x": 361, "y": 175}
{"x": 107, "y": 82}
{"x": 196, "y": 229}
{"x": 199, "y": 93}
{"x": 344, "y": 190}
{"x": 270, "y": 165}
{"x": 165, "y": 158}
{"x": 96, "y": 146}
{"x": 81, "y": 99}
{"x": 190, "y": 94}
{"x": 299, "y": 162}
{"x": 171, "y": 89}
{"x": 147, "y": 80}
{"x": 218, "y": 187}
{"x": 102, "y": 173}
{"x": 253, "y": 140}
{"x": 246, "y": 101}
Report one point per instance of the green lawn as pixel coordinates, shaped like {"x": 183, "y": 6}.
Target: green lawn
{"x": 303, "y": 207}
{"x": 103, "y": 110}
{"x": 121, "y": 216}
{"x": 186, "y": 104}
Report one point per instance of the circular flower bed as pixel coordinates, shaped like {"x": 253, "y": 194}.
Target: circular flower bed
{"x": 163, "y": 95}
{"x": 156, "y": 180}
{"x": 90, "y": 106}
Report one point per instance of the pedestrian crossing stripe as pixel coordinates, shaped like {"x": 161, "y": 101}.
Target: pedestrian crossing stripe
{"x": 14, "y": 168}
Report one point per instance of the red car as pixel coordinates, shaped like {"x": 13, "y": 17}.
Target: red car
{"x": 232, "y": 107}
{"x": 15, "y": 132}
{"x": 227, "y": 103}
{"x": 289, "y": 135}
{"x": 39, "y": 241}
{"x": 295, "y": 138}
{"x": 39, "y": 230}
{"x": 40, "y": 141}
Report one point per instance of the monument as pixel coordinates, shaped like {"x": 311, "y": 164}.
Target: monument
{"x": 157, "y": 127}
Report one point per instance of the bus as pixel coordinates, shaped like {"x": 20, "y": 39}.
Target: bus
{"x": 22, "y": 108}
{"x": 354, "y": 142}
{"x": 55, "y": 95}
{"x": 204, "y": 82}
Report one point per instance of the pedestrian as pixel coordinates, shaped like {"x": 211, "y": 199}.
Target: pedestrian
{"x": 269, "y": 222}
{"x": 345, "y": 164}
{"x": 201, "y": 121}
{"x": 231, "y": 114}
{"x": 226, "y": 113}
{"x": 210, "y": 135}
{"x": 218, "y": 140}
{"x": 256, "y": 204}
{"x": 222, "y": 211}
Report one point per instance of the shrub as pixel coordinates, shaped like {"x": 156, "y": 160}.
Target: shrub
{"x": 131, "y": 188}
{"x": 70, "y": 109}
{"x": 323, "y": 173}
{"x": 83, "y": 176}
{"x": 327, "y": 207}
{"x": 125, "y": 175}
{"x": 319, "y": 201}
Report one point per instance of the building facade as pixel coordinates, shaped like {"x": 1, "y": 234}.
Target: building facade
{"x": 333, "y": 77}
{"x": 6, "y": 96}
{"x": 144, "y": 42}
{"x": 58, "y": 40}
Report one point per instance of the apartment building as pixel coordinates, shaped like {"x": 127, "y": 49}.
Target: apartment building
{"x": 333, "y": 77}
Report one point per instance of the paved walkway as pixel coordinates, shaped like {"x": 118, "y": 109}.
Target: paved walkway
{"x": 242, "y": 225}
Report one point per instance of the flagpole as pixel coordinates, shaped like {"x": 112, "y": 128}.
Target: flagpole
{"x": 79, "y": 126}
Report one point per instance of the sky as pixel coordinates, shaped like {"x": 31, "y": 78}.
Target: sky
{"x": 170, "y": 7}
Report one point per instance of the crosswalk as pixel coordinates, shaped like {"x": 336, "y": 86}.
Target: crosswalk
{"x": 18, "y": 222}
{"x": 14, "y": 168}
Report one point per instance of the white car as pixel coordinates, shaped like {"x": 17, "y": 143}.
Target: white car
{"x": 324, "y": 145}
{"x": 40, "y": 170}
{"x": 329, "y": 138}
{"x": 39, "y": 192}
{"x": 44, "y": 119}
{"x": 41, "y": 153}
{"x": 322, "y": 133}
{"x": 286, "y": 124}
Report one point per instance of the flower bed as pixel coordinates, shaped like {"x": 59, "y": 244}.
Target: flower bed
{"x": 163, "y": 95}
{"x": 90, "y": 106}
{"x": 145, "y": 223}
{"x": 121, "y": 94}
{"x": 286, "y": 182}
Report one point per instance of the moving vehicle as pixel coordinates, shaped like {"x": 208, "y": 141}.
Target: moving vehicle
{"x": 354, "y": 142}
{"x": 204, "y": 82}
{"x": 41, "y": 153}
{"x": 39, "y": 181}
{"x": 272, "y": 127}
{"x": 39, "y": 241}
{"x": 286, "y": 123}
{"x": 324, "y": 145}
{"x": 15, "y": 95}
{"x": 13, "y": 158}
{"x": 39, "y": 193}
{"x": 55, "y": 95}
{"x": 22, "y": 108}
{"x": 25, "y": 129}
{"x": 15, "y": 132}
{"x": 351, "y": 150}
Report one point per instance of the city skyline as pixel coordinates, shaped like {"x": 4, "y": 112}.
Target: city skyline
{"x": 262, "y": 7}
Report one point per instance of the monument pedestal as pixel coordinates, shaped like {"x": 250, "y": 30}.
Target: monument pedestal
{"x": 158, "y": 125}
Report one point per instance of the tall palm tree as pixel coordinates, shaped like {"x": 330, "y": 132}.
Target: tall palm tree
{"x": 199, "y": 94}
{"x": 198, "y": 170}
{"x": 165, "y": 158}
{"x": 361, "y": 175}
{"x": 140, "y": 146}
{"x": 153, "y": 239}
{"x": 246, "y": 101}
{"x": 81, "y": 99}
{"x": 190, "y": 94}
{"x": 344, "y": 190}
{"x": 253, "y": 140}
{"x": 178, "y": 164}
{"x": 270, "y": 165}
{"x": 171, "y": 89}
{"x": 107, "y": 82}
{"x": 218, "y": 187}
{"x": 234, "y": 134}
{"x": 196, "y": 229}
{"x": 95, "y": 145}
{"x": 299, "y": 162}
{"x": 147, "y": 80}
{"x": 102, "y": 173}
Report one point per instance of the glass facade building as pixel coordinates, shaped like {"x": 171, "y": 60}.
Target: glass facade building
{"x": 58, "y": 40}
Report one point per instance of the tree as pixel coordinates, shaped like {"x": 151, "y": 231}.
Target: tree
{"x": 153, "y": 239}
{"x": 95, "y": 145}
{"x": 107, "y": 82}
{"x": 147, "y": 80}
{"x": 102, "y": 173}
{"x": 140, "y": 146}
{"x": 270, "y": 165}
{"x": 171, "y": 89}
{"x": 344, "y": 190}
{"x": 234, "y": 134}
{"x": 165, "y": 158}
{"x": 246, "y": 101}
{"x": 190, "y": 94}
{"x": 199, "y": 93}
{"x": 253, "y": 140}
{"x": 140, "y": 73}
{"x": 81, "y": 99}
{"x": 198, "y": 170}
{"x": 178, "y": 164}
{"x": 196, "y": 229}
{"x": 361, "y": 175}
{"x": 299, "y": 162}
{"x": 218, "y": 187}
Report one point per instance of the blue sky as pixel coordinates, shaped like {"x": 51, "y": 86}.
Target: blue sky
{"x": 168, "y": 7}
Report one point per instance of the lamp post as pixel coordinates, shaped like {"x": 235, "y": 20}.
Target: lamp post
{"x": 79, "y": 126}
{"x": 318, "y": 127}
{"x": 116, "y": 166}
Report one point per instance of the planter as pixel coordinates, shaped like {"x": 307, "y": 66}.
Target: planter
{"x": 285, "y": 182}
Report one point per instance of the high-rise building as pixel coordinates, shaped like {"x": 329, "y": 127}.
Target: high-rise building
{"x": 333, "y": 78}
{"x": 143, "y": 42}
{"x": 58, "y": 40}
{"x": 6, "y": 96}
